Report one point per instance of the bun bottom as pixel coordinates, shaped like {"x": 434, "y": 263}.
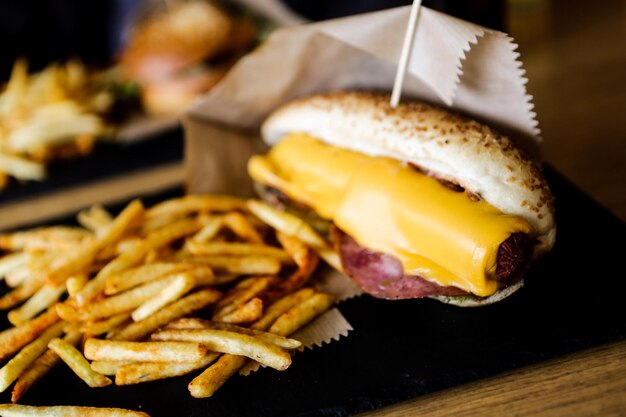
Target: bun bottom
{"x": 474, "y": 301}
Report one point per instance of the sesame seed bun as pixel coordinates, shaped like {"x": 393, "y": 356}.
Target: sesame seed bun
{"x": 440, "y": 143}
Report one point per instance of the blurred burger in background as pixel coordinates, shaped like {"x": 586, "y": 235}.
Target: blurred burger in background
{"x": 180, "y": 49}
{"x": 69, "y": 86}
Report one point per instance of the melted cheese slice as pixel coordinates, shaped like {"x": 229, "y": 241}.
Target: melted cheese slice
{"x": 387, "y": 206}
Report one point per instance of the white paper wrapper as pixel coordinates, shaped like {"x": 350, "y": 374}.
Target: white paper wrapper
{"x": 454, "y": 63}
{"x": 329, "y": 327}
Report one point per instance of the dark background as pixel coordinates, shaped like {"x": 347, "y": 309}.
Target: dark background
{"x": 51, "y": 30}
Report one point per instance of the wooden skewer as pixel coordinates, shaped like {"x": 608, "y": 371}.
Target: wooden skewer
{"x": 405, "y": 55}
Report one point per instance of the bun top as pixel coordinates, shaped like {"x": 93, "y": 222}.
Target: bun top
{"x": 442, "y": 144}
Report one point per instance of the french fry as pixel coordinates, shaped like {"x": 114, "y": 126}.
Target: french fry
{"x": 241, "y": 294}
{"x": 104, "y": 326}
{"x": 94, "y": 218}
{"x": 331, "y": 257}
{"x": 43, "y": 118}
{"x": 12, "y": 369}
{"x": 110, "y": 350}
{"x": 40, "y": 368}
{"x": 45, "y": 238}
{"x": 159, "y": 221}
{"x": 53, "y": 125}
{"x": 155, "y": 255}
{"x": 123, "y": 245}
{"x": 308, "y": 261}
{"x": 249, "y": 265}
{"x": 80, "y": 146}
{"x": 21, "y": 168}
{"x": 17, "y": 85}
{"x": 301, "y": 314}
{"x": 144, "y": 372}
{"x": 242, "y": 227}
{"x": 233, "y": 343}
{"x": 293, "y": 318}
{"x": 108, "y": 368}
{"x": 142, "y": 274}
{"x": 17, "y": 410}
{"x": 209, "y": 230}
{"x": 281, "y": 306}
{"x": 236, "y": 249}
{"x": 13, "y": 339}
{"x": 196, "y": 323}
{"x": 77, "y": 261}
{"x": 25, "y": 290}
{"x": 248, "y": 312}
{"x": 75, "y": 75}
{"x": 67, "y": 311}
{"x": 18, "y": 276}
{"x": 75, "y": 283}
{"x": 155, "y": 223}
{"x": 177, "y": 309}
{"x": 83, "y": 145}
{"x": 40, "y": 261}
{"x": 4, "y": 180}
{"x": 129, "y": 217}
{"x": 188, "y": 323}
{"x": 143, "y": 263}
{"x": 131, "y": 258}
{"x": 124, "y": 301}
{"x": 286, "y": 223}
{"x": 204, "y": 276}
{"x": 220, "y": 279}
{"x": 41, "y": 300}
{"x": 77, "y": 363}
{"x": 73, "y": 263}
{"x": 11, "y": 262}
{"x": 179, "y": 286}
{"x": 195, "y": 203}
{"x": 213, "y": 377}
{"x": 297, "y": 249}
{"x": 46, "y": 85}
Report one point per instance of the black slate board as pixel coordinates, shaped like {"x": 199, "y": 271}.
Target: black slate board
{"x": 108, "y": 159}
{"x": 403, "y": 349}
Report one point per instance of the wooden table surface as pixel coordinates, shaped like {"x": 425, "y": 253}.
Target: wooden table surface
{"x": 575, "y": 56}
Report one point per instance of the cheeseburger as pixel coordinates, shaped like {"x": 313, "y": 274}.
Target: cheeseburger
{"x": 181, "y": 51}
{"x": 417, "y": 201}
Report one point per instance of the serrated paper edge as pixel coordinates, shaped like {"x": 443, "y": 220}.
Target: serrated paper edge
{"x": 327, "y": 328}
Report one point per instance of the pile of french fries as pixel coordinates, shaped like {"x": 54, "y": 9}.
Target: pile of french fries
{"x": 211, "y": 285}
{"x": 50, "y": 115}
